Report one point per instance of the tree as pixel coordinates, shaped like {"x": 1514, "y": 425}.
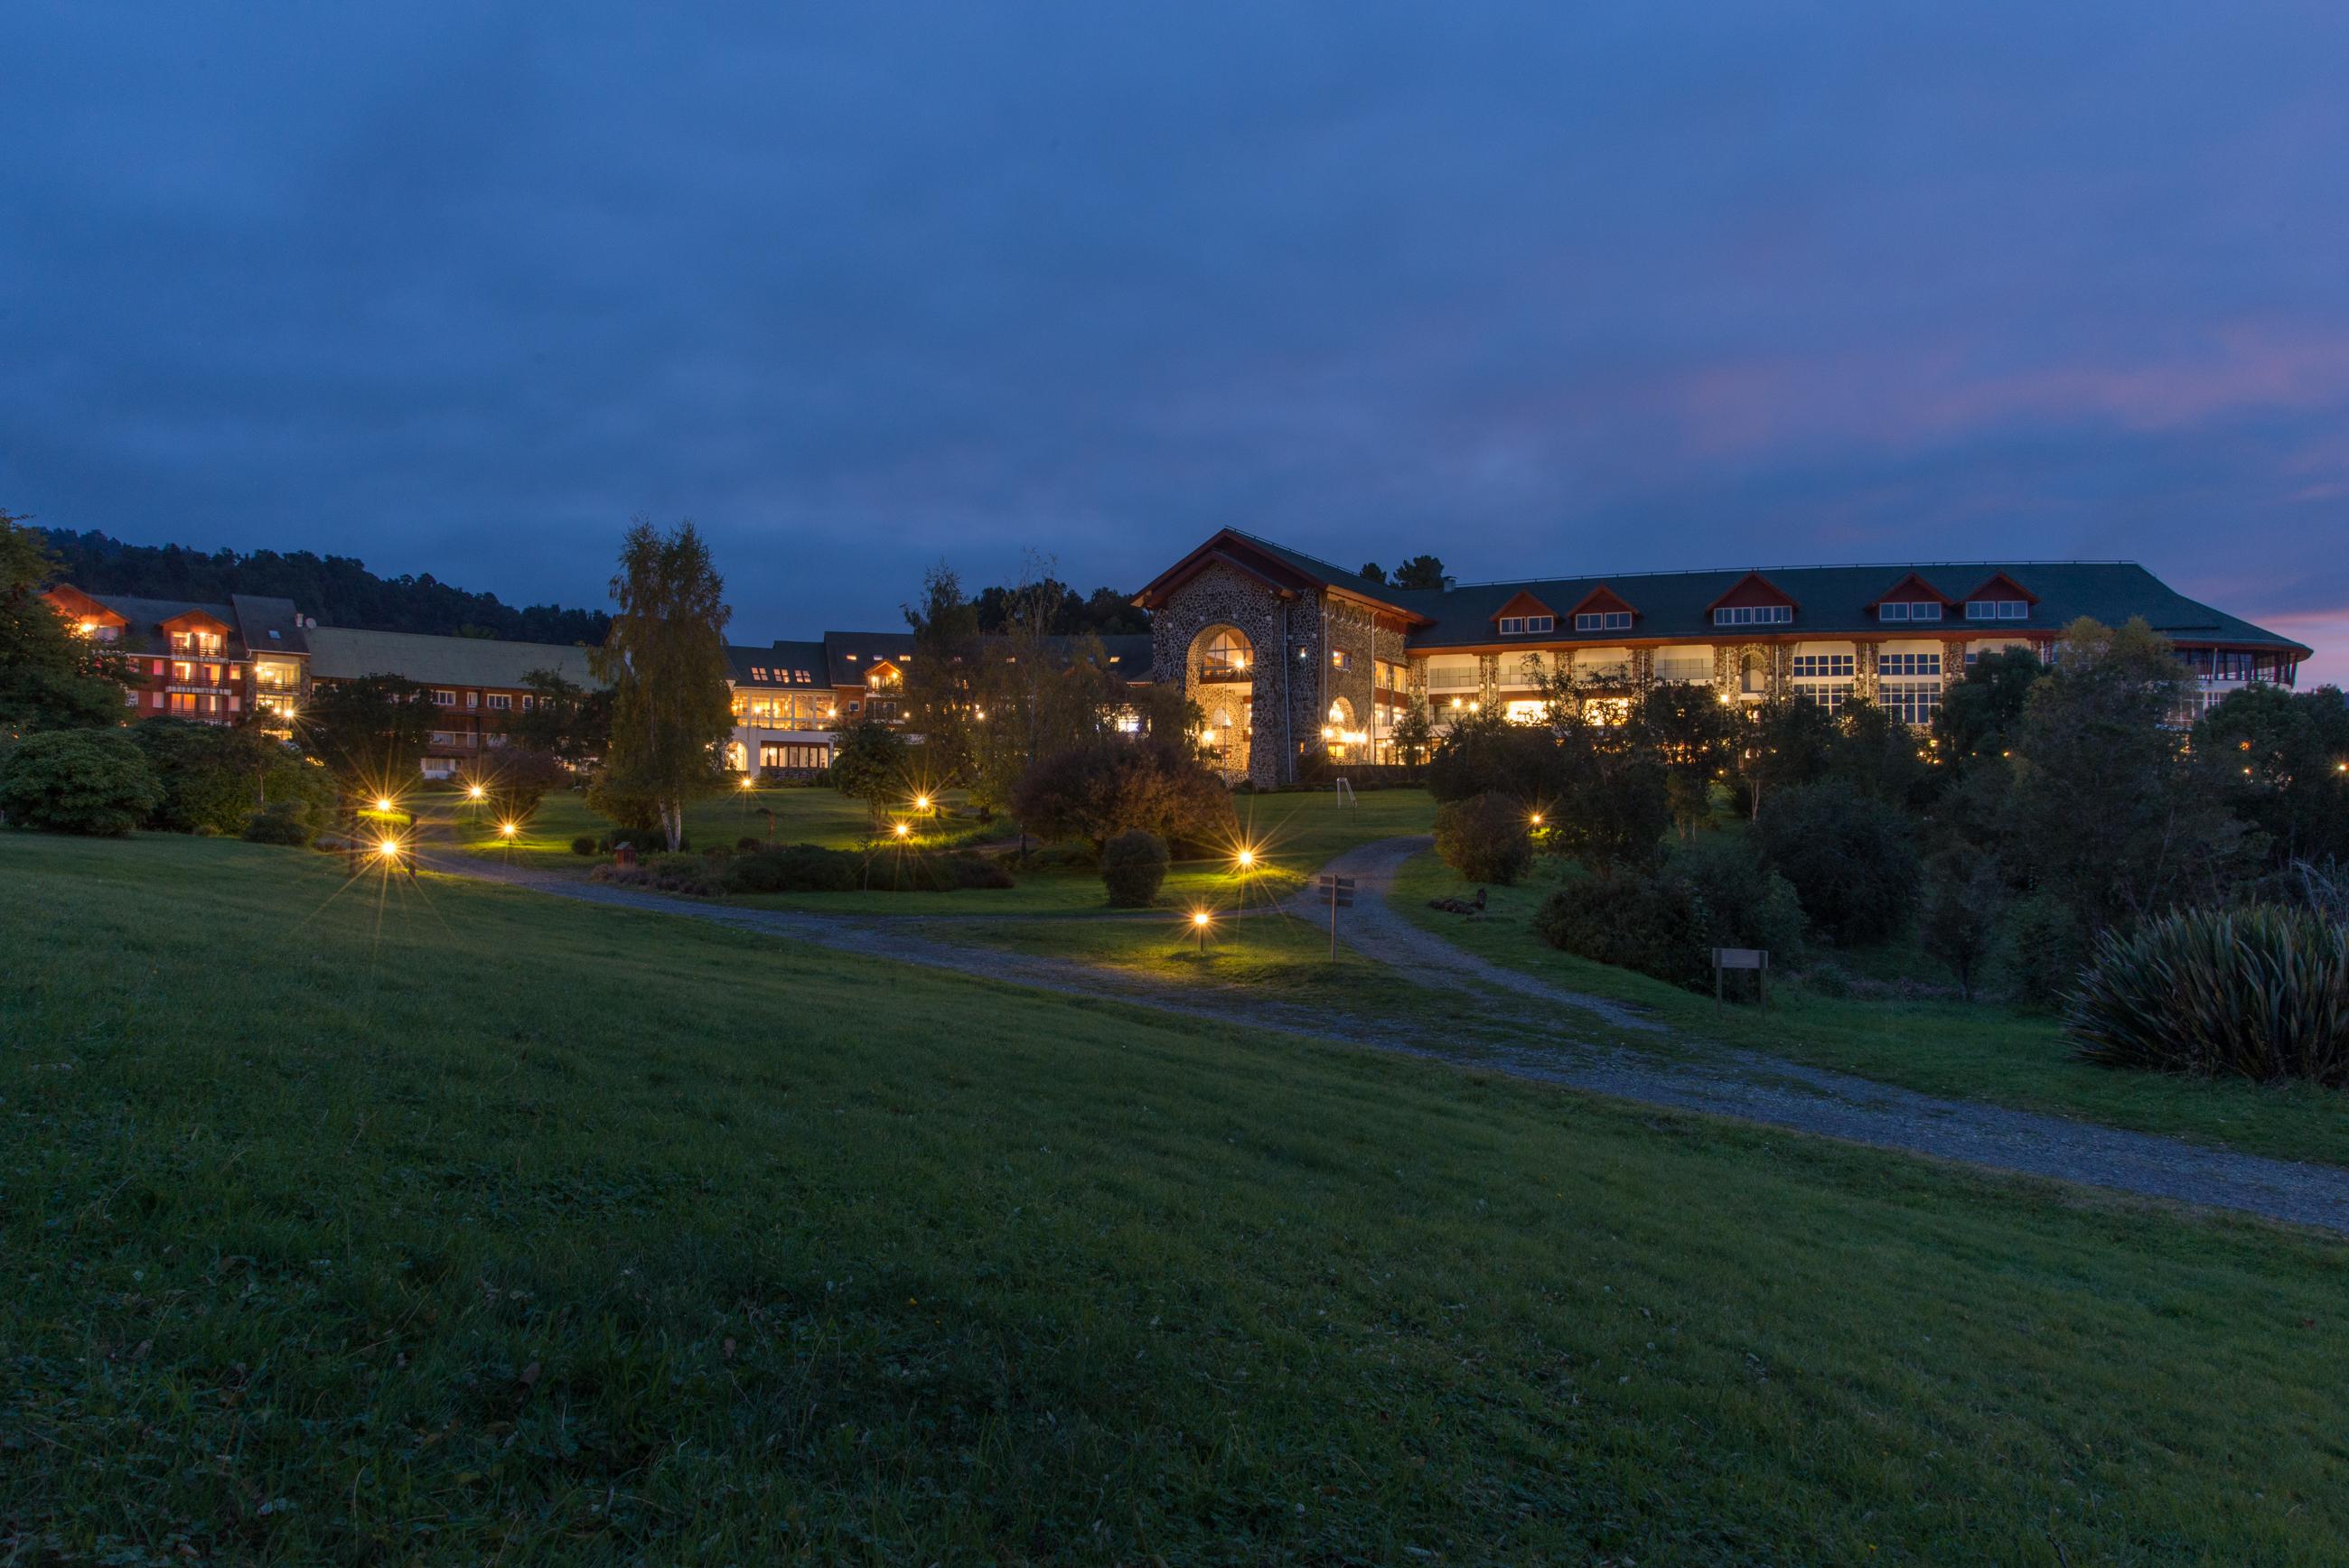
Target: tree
{"x": 78, "y": 781}
{"x": 213, "y": 776}
{"x": 2107, "y": 814}
{"x": 2281, "y": 761}
{"x": 1485, "y": 838}
{"x": 1979, "y": 712}
{"x": 868, "y": 764}
{"x": 565, "y": 719}
{"x": 939, "y": 681}
{"x": 1851, "y": 858}
{"x": 665, "y": 661}
{"x": 1373, "y": 571}
{"x": 1420, "y": 571}
{"x": 1098, "y": 790}
{"x": 515, "y": 779}
{"x": 1414, "y": 734}
{"x": 370, "y": 732}
{"x": 1879, "y": 755}
{"x": 50, "y": 677}
{"x": 1785, "y": 742}
{"x": 1690, "y": 734}
{"x": 1957, "y": 919}
{"x": 1035, "y": 696}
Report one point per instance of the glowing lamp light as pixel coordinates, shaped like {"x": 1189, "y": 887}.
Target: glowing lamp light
{"x": 902, "y": 830}
{"x": 507, "y": 830}
{"x": 473, "y": 791}
{"x": 1535, "y": 818}
{"x": 921, "y": 802}
{"x": 1200, "y": 917}
{"x": 1246, "y": 858}
{"x": 388, "y": 849}
{"x": 383, "y": 802}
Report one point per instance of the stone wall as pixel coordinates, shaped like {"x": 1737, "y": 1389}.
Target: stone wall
{"x": 1279, "y": 664}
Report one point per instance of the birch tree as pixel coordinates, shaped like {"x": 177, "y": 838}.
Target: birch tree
{"x": 665, "y": 663}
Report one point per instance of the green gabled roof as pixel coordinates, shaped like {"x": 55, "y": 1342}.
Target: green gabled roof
{"x": 1314, "y": 566}
{"x": 1833, "y": 601}
{"x": 798, "y": 666}
{"x": 343, "y": 653}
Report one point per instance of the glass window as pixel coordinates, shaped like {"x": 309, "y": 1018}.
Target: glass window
{"x": 1823, "y": 666}
{"x": 1915, "y": 702}
{"x": 1908, "y": 664}
{"x": 1543, "y": 623}
{"x": 1754, "y": 615}
{"x": 1892, "y": 612}
{"x": 1511, "y": 626}
{"x": 2014, "y": 610}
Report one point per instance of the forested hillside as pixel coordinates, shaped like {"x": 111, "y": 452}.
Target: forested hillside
{"x": 337, "y": 589}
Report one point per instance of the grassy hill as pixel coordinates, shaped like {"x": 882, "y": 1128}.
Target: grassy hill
{"x": 430, "y": 1220}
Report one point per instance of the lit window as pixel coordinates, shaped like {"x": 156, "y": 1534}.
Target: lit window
{"x": 1823, "y": 667}
{"x": 500, "y": 702}
{"x": 444, "y": 699}
{"x": 1754, "y": 615}
{"x": 1908, "y": 664}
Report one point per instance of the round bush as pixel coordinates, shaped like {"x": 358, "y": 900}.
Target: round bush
{"x": 1133, "y": 865}
{"x": 1850, "y": 858}
{"x": 2257, "y": 993}
{"x": 584, "y": 844}
{"x": 284, "y": 822}
{"x": 1485, "y": 838}
{"x": 78, "y": 781}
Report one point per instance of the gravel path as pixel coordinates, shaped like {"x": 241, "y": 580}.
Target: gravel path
{"x": 1564, "y": 1042}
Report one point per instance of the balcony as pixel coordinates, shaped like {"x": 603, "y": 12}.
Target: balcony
{"x": 1226, "y": 673}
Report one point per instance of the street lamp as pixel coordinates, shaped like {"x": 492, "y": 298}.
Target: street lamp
{"x": 1244, "y": 859}
{"x": 1534, "y": 819}
{"x": 902, "y": 829}
{"x": 383, "y": 802}
{"x": 1200, "y": 921}
{"x": 507, "y": 830}
{"x": 388, "y": 849}
{"x": 921, "y": 802}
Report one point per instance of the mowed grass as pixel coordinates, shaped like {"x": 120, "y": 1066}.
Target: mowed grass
{"x": 1978, "y": 1050}
{"x": 440, "y": 1221}
{"x": 1287, "y": 836}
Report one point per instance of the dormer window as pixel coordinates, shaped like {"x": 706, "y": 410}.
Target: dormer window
{"x": 1909, "y": 609}
{"x": 1603, "y": 621}
{"x": 1754, "y": 615}
{"x": 1998, "y": 610}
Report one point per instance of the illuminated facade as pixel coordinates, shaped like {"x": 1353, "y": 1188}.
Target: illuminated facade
{"x": 1287, "y": 655}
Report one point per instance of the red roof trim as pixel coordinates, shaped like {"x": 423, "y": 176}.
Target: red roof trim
{"x": 1522, "y": 602}
{"x": 1771, "y": 594}
{"x": 1601, "y": 599}
{"x": 75, "y": 605}
{"x": 1894, "y": 595}
{"x": 187, "y": 619}
{"x": 2017, "y": 591}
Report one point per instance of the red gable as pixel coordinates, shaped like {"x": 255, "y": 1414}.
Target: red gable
{"x": 79, "y": 607}
{"x": 1603, "y": 600}
{"x": 1523, "y": 603}
{"x": 1910, "y": 590}
{"x": 1753, "y": 589}
{"x": 197, "y": 621}
{"x": 1999, "y": 585}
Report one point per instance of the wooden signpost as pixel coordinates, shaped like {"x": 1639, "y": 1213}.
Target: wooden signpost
{"x": 1340, "y": 891}
{"x": 1755, "y": 958}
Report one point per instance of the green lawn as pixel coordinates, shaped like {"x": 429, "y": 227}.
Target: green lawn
{"x": 1972, "y": 1051}
{"x": 435, "y": 1221}
{"x": 1285, "y": 835}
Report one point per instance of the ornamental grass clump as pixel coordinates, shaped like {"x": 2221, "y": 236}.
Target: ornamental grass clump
{"x": 2257, "y": 993}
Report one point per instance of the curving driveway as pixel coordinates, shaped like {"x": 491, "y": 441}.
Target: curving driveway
{"x": 1534, "y": 1029}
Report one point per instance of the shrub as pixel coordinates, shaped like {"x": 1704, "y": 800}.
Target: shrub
{"x": 514, "y": 780}
{"x": 211, "y": 774}
{"x": 1485, "y": 838}
{"x": 1133, "y": 865}
{"x": 1745, "y": 903}
{"x": 1958, "y": 920}
{"x": 644, "y": 841}
{"x": 2259, "y": 993}
{"x": 281, "y": 822}
{"x": 2041, "y": 951}
{"x": 1714, "y": 893}
{"x": 943, "y": 874}
{"x": 78, "y": 781}
{"x": 584, "y": 844}
{"x": 750, "y": 842}
{"x": 794, "y": 868}
{"x": 1096, "y": 792}
{"x": 1849, "y": 857}
{"x": 678, "y": 873}
{"x": 1620, "y": 915}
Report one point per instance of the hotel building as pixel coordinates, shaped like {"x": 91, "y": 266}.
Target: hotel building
{"x": 1287, "y": 655}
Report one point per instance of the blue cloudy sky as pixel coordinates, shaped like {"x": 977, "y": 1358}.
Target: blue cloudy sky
{"x": 1538, "y": 287}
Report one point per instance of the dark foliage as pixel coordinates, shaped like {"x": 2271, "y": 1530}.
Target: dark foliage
{"x": 371, "y": 732}
{"x": 50, "y": 678}
{"x": 2042, "y": 947}
{"x": 1103, "y": 613}
{"x": 2259, "y": 993}
{"x": 90, "y": 782}
{"x": 288, "y": 821}
{"x": 1958, "y": 918}
{"x": 584, "y": 844}
{"x": 1980, "y": 710}
{"x": 1666, "y": 923}
{"x": 337, "y": 589}
{"x": 2277, "y": 759}
{"x": 1851, "y": 858}
{"x": 1485, "y": 838}
{"x": 1095, "y": 792}
{"x": 514, "y": 780}
{"x": 1133, "y": 865}
{"x": 212, "y": 775}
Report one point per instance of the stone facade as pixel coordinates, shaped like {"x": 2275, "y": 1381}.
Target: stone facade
{"x": 1286, "y": 656}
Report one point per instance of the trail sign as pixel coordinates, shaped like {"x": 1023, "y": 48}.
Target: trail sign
{"x": 1340, "y": 891}
{"x": 1757, "y": 959}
